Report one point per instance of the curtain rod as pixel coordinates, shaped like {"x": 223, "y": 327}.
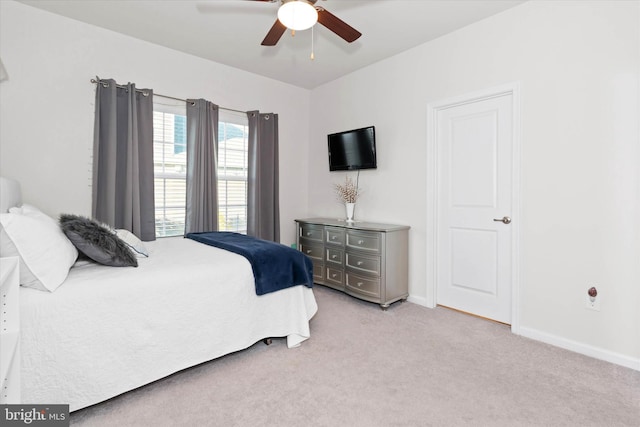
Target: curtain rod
{"x": 98, "y": 80}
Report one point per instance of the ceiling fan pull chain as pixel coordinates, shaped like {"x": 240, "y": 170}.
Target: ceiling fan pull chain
{"x": 312, "y": 54}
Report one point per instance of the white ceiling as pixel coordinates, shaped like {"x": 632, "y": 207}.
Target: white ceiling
{"x": 230, "y": 31}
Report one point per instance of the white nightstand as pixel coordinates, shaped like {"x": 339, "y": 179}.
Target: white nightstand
{"x": 9, "y": 330}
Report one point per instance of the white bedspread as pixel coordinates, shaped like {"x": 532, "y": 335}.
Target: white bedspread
{"x": 108, "y": 330}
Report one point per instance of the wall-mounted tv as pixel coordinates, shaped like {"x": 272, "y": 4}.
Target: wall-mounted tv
{"x": 352, "y": 149}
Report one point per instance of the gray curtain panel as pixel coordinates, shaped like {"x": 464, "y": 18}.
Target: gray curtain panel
{"x": 263, "y": 201}
{"x": 202, "y": 166}
{"x": 123, "y": 158}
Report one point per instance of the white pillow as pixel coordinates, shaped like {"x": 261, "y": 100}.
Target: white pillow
{"x": 45, "y": 252}
{"x": 34, "y": 212}
{"x": 133, "y": 242}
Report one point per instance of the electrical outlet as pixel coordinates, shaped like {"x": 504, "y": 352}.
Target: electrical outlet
{"x": 593, "y": 303}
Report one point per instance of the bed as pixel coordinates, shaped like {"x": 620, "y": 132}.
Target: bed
{"x": 108, "y": 330}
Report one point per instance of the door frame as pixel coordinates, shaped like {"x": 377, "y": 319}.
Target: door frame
{"x": 433, "y": 170}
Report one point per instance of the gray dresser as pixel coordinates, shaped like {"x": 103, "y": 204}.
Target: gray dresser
{"x": 363, "y": 259}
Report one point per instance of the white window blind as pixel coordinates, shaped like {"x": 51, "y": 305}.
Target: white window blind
{"x": 169, "y": 129}
{"x": 170, "y": 164}
{"x": 232, "y": 171}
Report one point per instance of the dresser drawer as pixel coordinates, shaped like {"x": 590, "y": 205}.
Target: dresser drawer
{"x": 318, "y": 272}
{"x": 369, "y": 287}
{"x": 311, "y": 232}
{"x": 335, "y": 276}
{"x": 334, "y": 235}
{"x": 364, "y": 264}
{"x": 335, "y": 256}
{"x": 369, "y": 242}
{"x": 314, "y": 252}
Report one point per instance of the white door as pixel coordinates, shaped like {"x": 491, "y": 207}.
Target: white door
{"x": 474, "y": 191}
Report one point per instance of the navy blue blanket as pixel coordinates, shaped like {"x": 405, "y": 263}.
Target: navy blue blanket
{"x": 275, "y": 266}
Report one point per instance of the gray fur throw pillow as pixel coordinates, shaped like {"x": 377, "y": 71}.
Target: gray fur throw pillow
{"x": 97, "y": 241}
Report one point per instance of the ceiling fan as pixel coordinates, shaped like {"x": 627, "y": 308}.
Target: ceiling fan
{"x": 298, "y": 15}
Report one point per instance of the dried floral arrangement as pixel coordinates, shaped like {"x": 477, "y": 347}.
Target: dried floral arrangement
{"x": 347, "y": 192}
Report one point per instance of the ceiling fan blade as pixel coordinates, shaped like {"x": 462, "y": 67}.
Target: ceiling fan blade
{"x": 274, "y": 34}
{"x": 337, "y": 25}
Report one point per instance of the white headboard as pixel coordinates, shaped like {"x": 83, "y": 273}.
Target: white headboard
{"x": 10, "y": 194}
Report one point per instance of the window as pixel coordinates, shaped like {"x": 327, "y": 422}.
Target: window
{"x": 169, "y": 156}
{"x": 170, "y": 167}
{"x": 233, "y": 149}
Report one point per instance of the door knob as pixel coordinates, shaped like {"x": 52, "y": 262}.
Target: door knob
{"x": 504, "y": 219}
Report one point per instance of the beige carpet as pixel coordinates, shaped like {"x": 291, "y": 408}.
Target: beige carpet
{"x": 408, "y": 366}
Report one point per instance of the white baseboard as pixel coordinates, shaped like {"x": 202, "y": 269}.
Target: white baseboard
{"x": 567, "y": 344}
{"x": 578, "y": 347}
{"x": 418, "y": 300}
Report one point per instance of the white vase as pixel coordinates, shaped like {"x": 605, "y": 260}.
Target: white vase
{"x": 350, "y": 208}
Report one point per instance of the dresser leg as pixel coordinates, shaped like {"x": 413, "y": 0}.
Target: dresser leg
{"x": 267, "y": 341}
{"x": 384, "y": 307}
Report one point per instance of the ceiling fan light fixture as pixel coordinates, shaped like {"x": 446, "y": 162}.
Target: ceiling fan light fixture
{"x": 297, "y": 15}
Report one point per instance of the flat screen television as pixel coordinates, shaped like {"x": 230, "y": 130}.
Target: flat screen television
{"x": 352, "y": 149}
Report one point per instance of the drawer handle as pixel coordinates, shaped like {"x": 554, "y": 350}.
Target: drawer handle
{"x": 308, "y": 251}
{"x": 359, "y": 263}
{"x": 360, "y": 242}
{"x": 334, "y": 256}
{"x": 333, "y": 237}
{"x": 309, "y": 233}
{"x": 359, "y": 284}
{"x": 334, "y": 275}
